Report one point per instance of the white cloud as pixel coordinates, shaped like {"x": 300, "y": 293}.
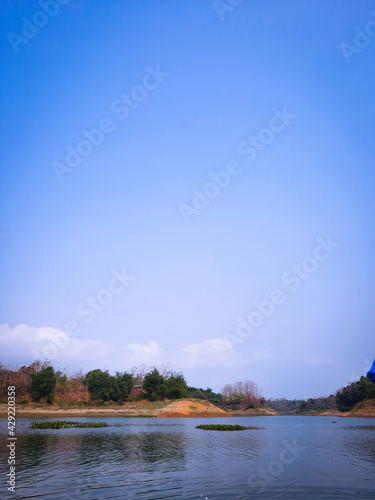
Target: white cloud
{"x": 29, "y": 343}
{"x": 213, "y": 352}
{"x": 136, "y": 354}
{"x": 214, "y": 361}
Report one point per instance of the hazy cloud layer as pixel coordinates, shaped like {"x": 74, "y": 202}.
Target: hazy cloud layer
{"x": 55, "y": 345}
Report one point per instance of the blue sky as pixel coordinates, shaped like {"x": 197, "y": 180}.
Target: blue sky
{"x": 119, "y": 210}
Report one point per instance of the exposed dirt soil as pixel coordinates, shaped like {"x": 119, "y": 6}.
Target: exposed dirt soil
{"x": 192, "y": 409}
{"x": 364, "y": 409}
{"x": 263, "y": 411}
{"x": 331, "y": 413}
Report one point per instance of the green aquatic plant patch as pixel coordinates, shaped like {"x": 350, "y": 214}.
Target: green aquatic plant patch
{"x": 223, "y": 427}
{"x": 61, "y": 424}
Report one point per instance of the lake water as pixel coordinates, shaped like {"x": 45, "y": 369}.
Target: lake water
{"x": 292, "y": 457}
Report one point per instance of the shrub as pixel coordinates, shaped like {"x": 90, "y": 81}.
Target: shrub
{"x": 205, "y": 394}
{"x": 50, "y": 399}
{"x": 236, "y": 397}
{"x": 63, "y": 380}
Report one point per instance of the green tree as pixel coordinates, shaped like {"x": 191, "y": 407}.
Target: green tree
{"x": 207, "y": 394}
{"x": 153, "y": 384}
{"x": 42, "y": 384}
{"x": 106, "y": 387}
{"x": 98, "y": 383}
{"x": 175, "y": 386}
{"x": 124, "y": 384}
{"x": 236, "y": 397}
{"x": 349, "y": 396}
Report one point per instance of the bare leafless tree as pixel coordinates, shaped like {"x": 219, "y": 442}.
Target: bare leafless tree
{"x": 248, "y": 388}
{"x": 164, "y": 369}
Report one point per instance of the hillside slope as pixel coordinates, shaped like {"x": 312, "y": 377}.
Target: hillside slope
{"x": 365, "y": 408}
{"x": 192, "y": 409}
{"x": 261, "y": 411}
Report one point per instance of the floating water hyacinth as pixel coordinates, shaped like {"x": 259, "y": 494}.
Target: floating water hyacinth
{"x": 223, "y": 427}
{"x": 61, "y": 424}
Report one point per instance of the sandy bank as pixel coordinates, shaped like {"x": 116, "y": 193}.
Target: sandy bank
{"x": 192, "y": 409}
{"x": 158, "y": 409}
{"x": 364, "y": 409}
{"x": 256, "y": 412}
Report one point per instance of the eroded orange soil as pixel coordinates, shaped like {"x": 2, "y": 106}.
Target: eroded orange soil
{"x": 192, "y": 409}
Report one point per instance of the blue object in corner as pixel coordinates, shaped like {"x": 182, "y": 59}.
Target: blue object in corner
{"x": 371, "y": 373}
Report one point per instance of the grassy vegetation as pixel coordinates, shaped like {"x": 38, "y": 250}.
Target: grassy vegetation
{"x": 61, "y": 424}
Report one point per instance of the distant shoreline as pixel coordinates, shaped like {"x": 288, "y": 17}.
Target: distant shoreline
{"x": 170, "y": 409}
{"x": 364, "y": 409}
{"x": 157, "y": 409}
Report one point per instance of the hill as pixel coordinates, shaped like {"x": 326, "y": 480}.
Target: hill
{"x": 365, "y": 408}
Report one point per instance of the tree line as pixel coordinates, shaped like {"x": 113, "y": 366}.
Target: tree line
{"x": 40, "y": 382}
{"x": 344, "y": 400}
{"x": 302, "y": 406}
{"x": 347, "y": 397}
